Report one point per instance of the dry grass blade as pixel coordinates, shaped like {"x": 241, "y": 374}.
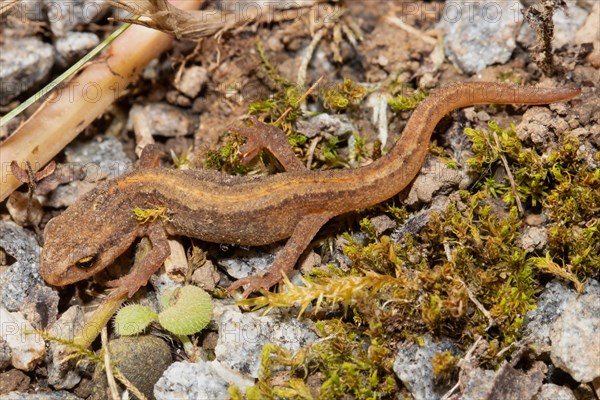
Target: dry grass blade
{"x": 184, "y": 25}
{"x": 199, "y": 23}
{"x": 6, "y": 5}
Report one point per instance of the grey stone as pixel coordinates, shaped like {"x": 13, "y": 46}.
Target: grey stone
{"x": 26, "y": 350}
{"x": 242, "y": 337}
{"x": 480, "y": 33}
{"x": 507, "y": 383}
{"x": 191, "y": 381}
{"x": 413, "y": 367}
{"x": 163, "y": 120}
{"x": 575, "y": 338}
{"x": 59, "y": 395}
{"x": 95, "y": 161}
{"x": 74, "y": 45}
{"x": 479, "y": 385}
{"x": 434, "y": 177}
{"x": 565, "y": 26}
{"x": 550, "y": 305}
{"x": 5, "y": 354}
{"x": 62, "y": 375}
{"x": 65, "y": 15}
{"x": 336, "y": 125}
{"x": 550, "y": 391}
{"x": 382, "y": 223}
{"x": 22, "y": 277}
{"x": 206, "y": 276}
{"x": 534, "y": 238}
{"x": 40, "y": 307}
{"x": 23, "y": 64}
{"x": 243, "y": 263}
{"x": 100, "y": 159}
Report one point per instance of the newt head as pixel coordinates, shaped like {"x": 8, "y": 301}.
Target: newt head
{"x": 87, "y": 237}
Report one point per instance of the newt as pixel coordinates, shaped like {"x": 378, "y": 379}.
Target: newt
{"x": 248, "y": 211}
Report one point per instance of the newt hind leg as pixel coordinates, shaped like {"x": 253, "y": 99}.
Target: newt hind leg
{"x": 264, "y": 136}
{"x": 284, "y": 263}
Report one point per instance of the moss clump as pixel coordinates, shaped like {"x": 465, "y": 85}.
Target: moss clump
{"x": 345, "y": 94}
{"x": 149, "y": 215}
{"x": 527, "y": 167}
{"x": 227, "y": 157}
{"x": 563, "y": 183}
{"x": 405, "y": 103}
{"x": 444, "y": 365}
{"x": 286, "y": 100}
{"x": 347, "y": 363}
{"x": 273, "y": 356}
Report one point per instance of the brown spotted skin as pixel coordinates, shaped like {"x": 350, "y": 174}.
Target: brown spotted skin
{"x": 248, "y": 211}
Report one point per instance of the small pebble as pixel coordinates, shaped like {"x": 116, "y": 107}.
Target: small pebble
{"x": 26, "y": 349}
{"x": 481, "y": 33}
{"x": 192, "y": 81}
{"x": 74, "y": 45}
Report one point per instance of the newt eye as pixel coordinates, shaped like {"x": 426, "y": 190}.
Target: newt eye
{"x": 86, "y": 262}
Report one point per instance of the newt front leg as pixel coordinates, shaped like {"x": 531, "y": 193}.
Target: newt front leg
{"x": 142, "y": 271}
{"x": 264, "y": 136}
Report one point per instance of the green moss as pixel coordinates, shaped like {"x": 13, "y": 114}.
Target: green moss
{"x": 285, "y": 100}
{"x": 405, "y": 103}
{"x": 261, "y": 106}
{"x": 345, "y": 94}
{"x": 359, "y": 150}
{"x": 227, "y": 157}
{"x": 348, "y": 364}
{"x": 510, "y": 76}
{"x": 297, "y": 139}
{"x": 351, "y": 364}
{"x": 327, "y": 152}
{"x": 562, "y": 182}
{"x": 443, "y": 155}
{"x": 149, "y": 215}
{"x": 444, "y": 365}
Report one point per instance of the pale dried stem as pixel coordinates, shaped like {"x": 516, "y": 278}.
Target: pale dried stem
{"x": 509, "y": 174}
{"x": 110, "y": 378}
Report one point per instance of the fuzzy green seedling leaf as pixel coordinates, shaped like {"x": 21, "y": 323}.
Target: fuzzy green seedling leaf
{"x": 188, "y": 310}
{"x": 133, "y": 319}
